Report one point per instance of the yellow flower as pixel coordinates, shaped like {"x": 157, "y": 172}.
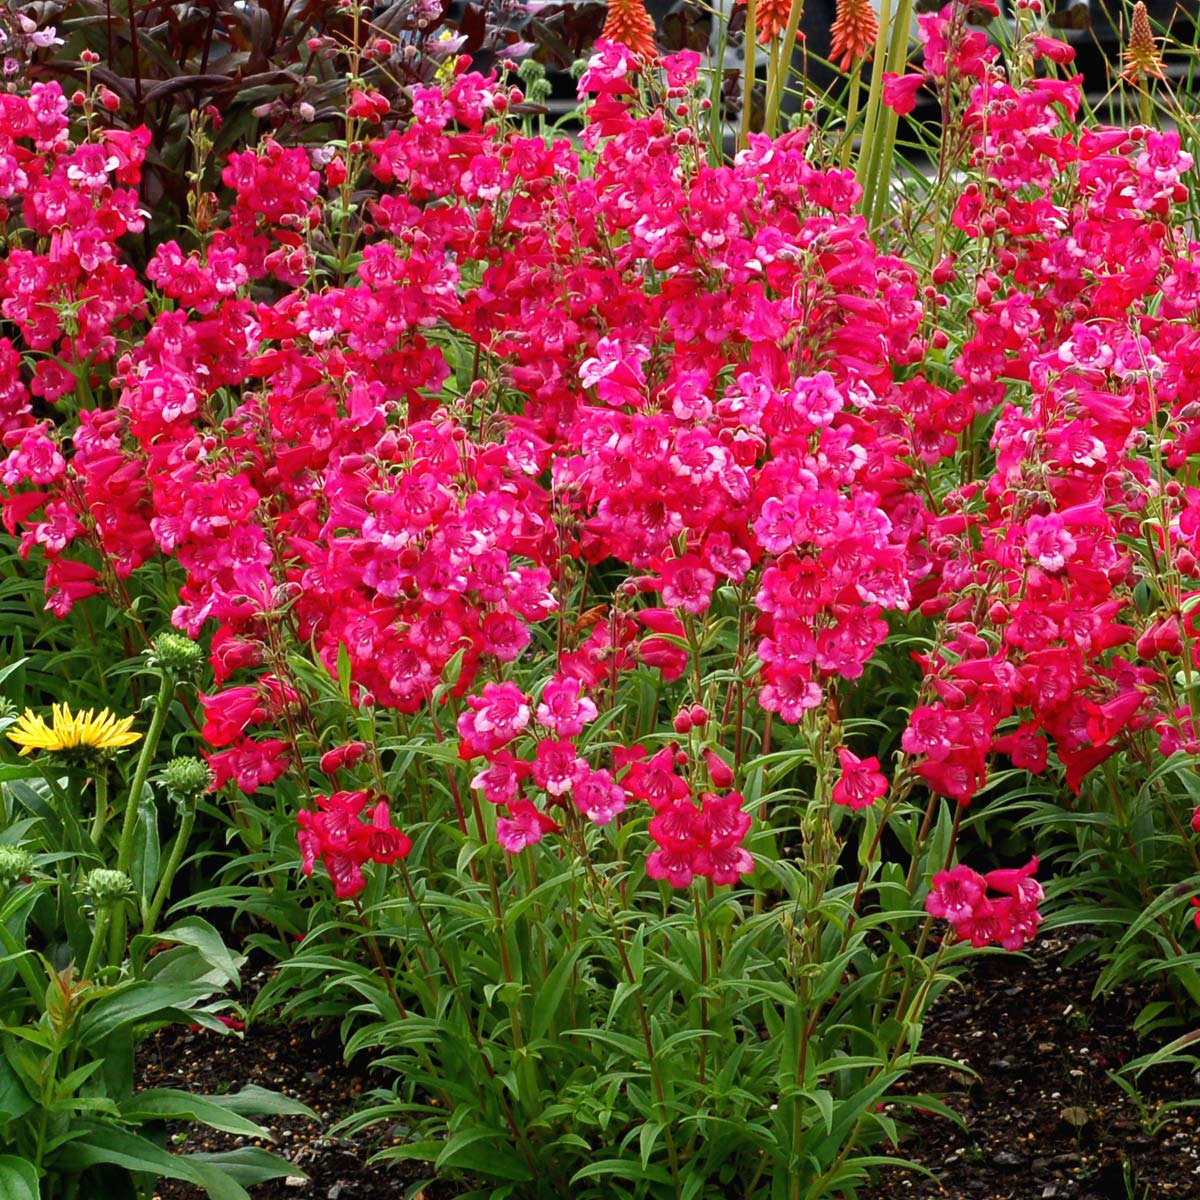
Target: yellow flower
{"x": 67, "y": 732}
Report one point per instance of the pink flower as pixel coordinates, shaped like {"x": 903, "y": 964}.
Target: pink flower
{"x": 955, "y": 894}
{"x": 381, "y": 841}
{"x": 500, "y": 780}
{"x": 524, "y": 826}
{"x": 598, "y": 796}
{"x": 900, "y": 91}
{"x": 1017, "y": 882}
{"x": 340, "y": 758}
{"x": 563, "y": 710}
{"x": 673, "y": 865}
{"x": 494, "y": 718}
{"x": 688, "y": 584}
{"x": 861, "y": 782}
{"x": 1048, "y": 542}
{"x": 557, "y": 767}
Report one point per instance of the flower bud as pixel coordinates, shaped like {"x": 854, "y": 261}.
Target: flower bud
{"x": 186, "y": 778}
{"x": 107, "y": 888}
{"x": 16, "y": 864}
{"x": 699, "y": 714}
{"x": 682, "y": 723}
{"x": 719, "y": 770}
{"x": 176, "y": 654}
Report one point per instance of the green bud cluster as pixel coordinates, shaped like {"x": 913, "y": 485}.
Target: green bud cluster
{"x": 186, "y": 778}
{"x": 175, "y": 653}
{"x": 16, "y": 864}
{"x": 107, "y": 888}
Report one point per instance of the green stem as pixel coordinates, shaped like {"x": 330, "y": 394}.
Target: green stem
{"x": 852, "y": 113}
{"x": 162, "y": 707}
{"x": 100, "y": 820}
{"x": 897, "y": 54}
{"x": 163, "y": 890}
{"x": 868, "y": 148}
{"x": 783, "y": 68}
{"x": 93, "y": 959}
{"x": 748, "y": 71}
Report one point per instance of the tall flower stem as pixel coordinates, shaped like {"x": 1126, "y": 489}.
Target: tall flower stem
{"x": 100, "y": 820}
{"x": 151, "y": 912}
{"x": 162, "y": 705}
{"x": 778, "y": 82}
{"x": 748, "y": 71}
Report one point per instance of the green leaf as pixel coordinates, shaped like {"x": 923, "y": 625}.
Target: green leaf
{"x": 247, "y": 1165}
{"x": 14, "y": 1099}
{"x": 619, "y": 1168}
{"x": 647, "y": 1136}
{"x": 824, "y": 1102}
{"x": 343, "y": 671}
{"x": 171, "y": 1104}
{"x": 106, "y": 1145}
{"x": 551, "y": 993}
{"x": 133, "y": 1002}
{"x": 18, "y": 1179}
{"x": 197, "y": 933}
{"x": 146, "y": 853}
{"x": 262, "y": 1103}
{"x": 482, "y": 1152}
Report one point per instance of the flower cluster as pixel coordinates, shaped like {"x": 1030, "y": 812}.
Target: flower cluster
{"x": 347, "y": 830}
{"x": 699, "y": 398}
{"x": 1008, "y": 918}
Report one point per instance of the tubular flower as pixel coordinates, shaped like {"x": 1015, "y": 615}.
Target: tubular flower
{"x": 629, "y": 23}
{"x": 1142, "y": 59}
{"x": 854, "y": 30}
{"x": 772, "y": 18}
{"x": 69, "y": 732}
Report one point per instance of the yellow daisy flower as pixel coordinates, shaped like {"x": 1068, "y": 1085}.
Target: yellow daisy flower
{"x": 67, "y": 731}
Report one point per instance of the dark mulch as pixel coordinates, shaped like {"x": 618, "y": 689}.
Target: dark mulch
{"x": 1044, "y": 1119}
{"x": 299, "y": 1060}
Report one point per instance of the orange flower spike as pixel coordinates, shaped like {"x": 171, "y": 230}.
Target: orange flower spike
{"x": 854, "y": 30}
{"x": 1142, "y": 59}
{"x": 771, "y": 17}
{"x": 629, "y": 23}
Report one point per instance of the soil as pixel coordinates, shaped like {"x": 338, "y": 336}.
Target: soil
{"x": 1043, "y": 1118}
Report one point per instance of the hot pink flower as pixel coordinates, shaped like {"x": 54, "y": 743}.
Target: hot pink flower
{"x": 955, "y": 894}
{"x": 563, "y": 710}
{"x": 524, "y": 826}
{"x": 861, "y": 782}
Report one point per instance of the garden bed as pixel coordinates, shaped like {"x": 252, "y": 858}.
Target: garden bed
{"x": 1044, "y": 1118}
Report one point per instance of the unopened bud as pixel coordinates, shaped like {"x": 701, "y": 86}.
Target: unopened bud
{"x": 177, "y": 654}
{"x": 16, "y": 864}
{"x": 107, "y": 888}
{"x": 186, "y": 778}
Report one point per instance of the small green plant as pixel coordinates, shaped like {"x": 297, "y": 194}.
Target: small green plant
{"x": 1158, "y": 1115}
{"x": 76, "y": 994}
